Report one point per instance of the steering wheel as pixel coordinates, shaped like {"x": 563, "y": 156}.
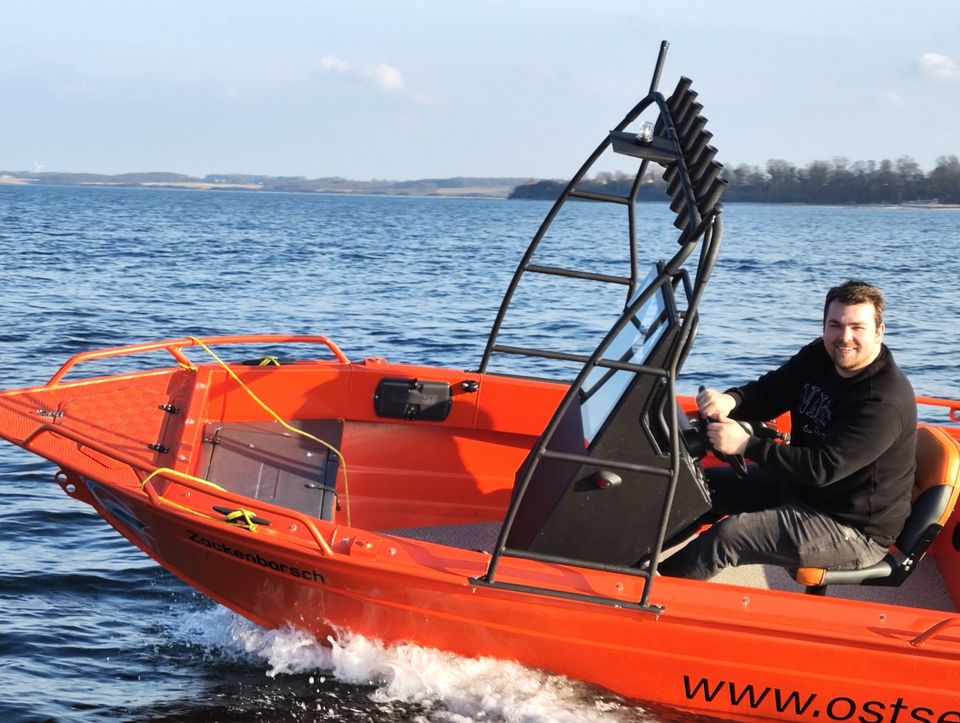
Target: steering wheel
{"x": 736, "y": 461}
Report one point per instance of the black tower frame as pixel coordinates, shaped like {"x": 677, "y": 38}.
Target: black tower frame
{"x": 679, "y": 143}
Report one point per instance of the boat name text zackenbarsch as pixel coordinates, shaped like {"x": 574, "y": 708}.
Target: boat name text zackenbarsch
{"x": 307, "y": 575}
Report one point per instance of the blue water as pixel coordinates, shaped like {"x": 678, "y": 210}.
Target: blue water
{"x": 91, "y": 629}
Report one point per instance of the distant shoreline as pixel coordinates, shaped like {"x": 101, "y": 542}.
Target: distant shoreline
{"x": 461, "y": 187}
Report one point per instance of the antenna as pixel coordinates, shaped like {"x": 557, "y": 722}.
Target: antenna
{"x": 661, "y": 57}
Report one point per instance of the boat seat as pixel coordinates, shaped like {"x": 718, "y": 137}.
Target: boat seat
{"x": 935, "y": 490}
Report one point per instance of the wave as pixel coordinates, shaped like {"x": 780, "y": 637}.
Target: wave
{"x": 437, "y": 686}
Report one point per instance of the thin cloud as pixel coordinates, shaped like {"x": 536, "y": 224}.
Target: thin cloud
{"x": 892, "y": 98}
{"x": 382, "y": 76}
{"x": 939, "y": 67}
{"x": 334, "y": 64}
{"x": 230, "y": 93}
{"x": 386, "y": 76}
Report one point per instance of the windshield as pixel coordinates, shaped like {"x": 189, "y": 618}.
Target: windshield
{"x": 604, "y": 387}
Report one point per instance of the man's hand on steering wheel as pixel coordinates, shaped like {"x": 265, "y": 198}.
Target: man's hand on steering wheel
{"x": 725, "y": 437}
{"x": 711, "y": 403}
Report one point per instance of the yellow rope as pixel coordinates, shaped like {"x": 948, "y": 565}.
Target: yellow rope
{"x": 268, "y": 410}
{"x": 243, "y": 518}
{"x": 177, "y": 473}
{"x": 192, "y": 510}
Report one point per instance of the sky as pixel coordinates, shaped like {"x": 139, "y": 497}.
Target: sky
{"x": 390, "y": 89}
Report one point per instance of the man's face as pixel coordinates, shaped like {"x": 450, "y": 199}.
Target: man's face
{"x": 851, "y": 336}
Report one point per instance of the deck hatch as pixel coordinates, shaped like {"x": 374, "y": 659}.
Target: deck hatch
{"x": 266, "y": 462}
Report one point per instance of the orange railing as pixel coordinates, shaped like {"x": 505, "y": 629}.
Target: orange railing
{"x": 204, "y": 486}
{"x": 952, "y": 405}
{"x": 175, "y": 347}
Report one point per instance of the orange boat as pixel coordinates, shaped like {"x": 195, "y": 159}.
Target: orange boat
{"x": 504, "y": 514}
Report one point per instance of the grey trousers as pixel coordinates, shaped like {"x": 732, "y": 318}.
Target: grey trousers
{"x": 765, "y": 526}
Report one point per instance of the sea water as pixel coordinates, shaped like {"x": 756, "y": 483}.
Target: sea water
{"x": 91, "y": 629}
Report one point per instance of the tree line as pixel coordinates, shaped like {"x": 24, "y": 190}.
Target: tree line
{"x": 825, "y": 182}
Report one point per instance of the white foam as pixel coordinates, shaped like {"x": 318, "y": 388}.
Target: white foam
{"x": 453, "y": 689}
{"x": 227, "y": 635}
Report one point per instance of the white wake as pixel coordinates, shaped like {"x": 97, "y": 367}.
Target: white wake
{"x": 451, "y": 688}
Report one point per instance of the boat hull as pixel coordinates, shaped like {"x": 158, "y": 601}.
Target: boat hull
{"x": 714, "y": 649}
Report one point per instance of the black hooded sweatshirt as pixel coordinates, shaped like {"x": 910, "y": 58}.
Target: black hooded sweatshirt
{"x": 852, "y": 440}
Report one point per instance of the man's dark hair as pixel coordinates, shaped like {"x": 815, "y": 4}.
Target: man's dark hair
{"x": 855, "y": 291}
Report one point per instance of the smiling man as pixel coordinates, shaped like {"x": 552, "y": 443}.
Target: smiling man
{"x": 853, "y": 333}
{"x": 837, "y": 495}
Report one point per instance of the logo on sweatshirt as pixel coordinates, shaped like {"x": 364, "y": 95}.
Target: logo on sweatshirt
{"x": 815, "y": 406}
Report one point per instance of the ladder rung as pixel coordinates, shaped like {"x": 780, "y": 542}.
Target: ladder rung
{"x": 580, "y": 359}
{"x": 571, "y": 273}
{"x": 607, "y": 463}
{"x": 591, "y": 196}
